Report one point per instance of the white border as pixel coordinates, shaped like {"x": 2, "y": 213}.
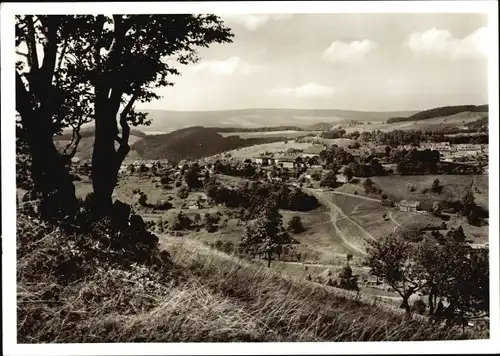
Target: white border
{"x": 8, "y": 178}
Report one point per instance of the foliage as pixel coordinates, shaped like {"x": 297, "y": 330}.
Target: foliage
{"x": 328, "y": 180}
{"x": 295, "y": 225}
{"x": 183, "y": 192}
{"x": 179, "y": 221}
{"x": 192, "y": 177}
{"x": 436, "y": 188}
{"x": 347, "y": 280}
{"x": 266, "y": 236}
{"x": 251, "y": 197}
{"x": 390, "y": 259}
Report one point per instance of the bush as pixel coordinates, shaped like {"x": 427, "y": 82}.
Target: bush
{"x": 143, "y": 199}
{"x": 419, "y": 306}
{"x": 183, "y": 192}
{"x": 179, "y": 221}
{"x": 295, "y": 225}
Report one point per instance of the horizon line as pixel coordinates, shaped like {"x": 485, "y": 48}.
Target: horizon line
{"x": 310, "y": 109}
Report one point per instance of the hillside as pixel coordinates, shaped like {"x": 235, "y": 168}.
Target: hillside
{"x": 439, "y": 112}
{"x": 197, "y": 294}
{"x": 166, "y": 121}
{"x": 192, "y": 143}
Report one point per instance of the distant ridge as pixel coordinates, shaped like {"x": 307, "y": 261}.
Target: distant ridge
{"x": 166, "y": 120}
{"x": 438, "y": 112}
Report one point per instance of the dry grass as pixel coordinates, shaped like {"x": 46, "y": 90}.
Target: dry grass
{"x": 202, "y": 296}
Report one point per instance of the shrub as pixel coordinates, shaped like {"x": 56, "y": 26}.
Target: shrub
{"x": 419, "y": 306}
{"x": 295, "y": 225}
{"x": 179, "y": 221}
{"x": 143, "y": 199}
{"x": 183, "y": 192}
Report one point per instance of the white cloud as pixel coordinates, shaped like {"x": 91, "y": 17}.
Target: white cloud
{"x": 232, "y": 65}
{"x": 253, "y": 22}
{"x": 441, "y": 43}
{"x": 306, "y": 91}
{"x": 355, "y": 51}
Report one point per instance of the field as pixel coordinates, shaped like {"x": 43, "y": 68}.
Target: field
{"x": 275, "y": 147}
{"x": 454, "y": 186}
{"x": 457, "y": 120}
{"x": 289, "y": 134}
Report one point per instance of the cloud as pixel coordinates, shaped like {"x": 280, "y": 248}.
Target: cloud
{"x": 253, "y": 22}
{"x": 306, "y": 91}
{"x": 441, "y": 44}
{"x": 232, "y": 65}
{"x": 355, "y": 51}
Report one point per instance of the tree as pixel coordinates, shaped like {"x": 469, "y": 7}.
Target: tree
{"x": 295, "y": 225}
{"x": 436, "y": 188}
{"x": 210, "y": 223}
{"x": 468, "y": 202}
{"x": 106, "y": 64}
{"x": 267, "y": 236}
{"x": 387, "y": 151}
{"x": 348, "y": 172}
{"x": 328, "y": 180}
{"x": 192, "y": 177}
{"x": 347, "y": 279}
{"x": 368, "y": 185}
{"x": 390, "y": 259}
{"x": 183, "y": 192}
{"x": 436, "y": 208}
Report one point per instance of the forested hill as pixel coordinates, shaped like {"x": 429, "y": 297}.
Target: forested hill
{"x": 89, "y": 132}
{"x": 439, "y": 112}
{"x": 192, "y": 143}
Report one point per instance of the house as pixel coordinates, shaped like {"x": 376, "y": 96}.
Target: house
{"x": 409, "y": 205}
{"x": 264, "y": 160}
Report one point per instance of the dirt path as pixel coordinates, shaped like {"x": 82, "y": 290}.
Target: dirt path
{"x": 356, "y": 196}
{"x": 394, "y": 221}
{"x": 336, "y": 214}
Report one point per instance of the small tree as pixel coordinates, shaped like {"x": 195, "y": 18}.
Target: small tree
{"x": 295, "y": 225}
{"x": 143, "y": 199}
{"x": 347, "y": 279}
{"x": 267, "y": 235}
{"x": 328, "y": 180}
{"x": 192, "y": 177}
{"x": 348, "y": 172}
{"x": 389, "y": 259}
{"x": 436, "y": 208}
{"x": 468, "y": 202}
{"x": 210, "y": 222}
{"x": 183, "y": 192}
{"x": 436, "y": 188}
{"x": 368, "y": 185}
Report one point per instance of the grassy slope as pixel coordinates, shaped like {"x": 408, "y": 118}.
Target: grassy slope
{"x": 211, "y": 296}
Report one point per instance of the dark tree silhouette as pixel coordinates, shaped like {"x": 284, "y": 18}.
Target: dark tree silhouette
{"x": 111, "y": 62}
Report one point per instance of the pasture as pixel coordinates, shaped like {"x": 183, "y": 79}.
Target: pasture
{"x": 453, "y": 186}
{"x": 274, "y": 147}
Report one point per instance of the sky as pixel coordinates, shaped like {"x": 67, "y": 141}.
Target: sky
{"x": 368, "y": 62}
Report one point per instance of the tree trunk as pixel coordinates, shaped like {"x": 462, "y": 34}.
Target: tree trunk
{"x": 268, "y": 260}
{"x": 50, "y": 175}
{"x": 431, "y": 303}
{"x": 405, "y": 304}
{"x": 105, "y": 165}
